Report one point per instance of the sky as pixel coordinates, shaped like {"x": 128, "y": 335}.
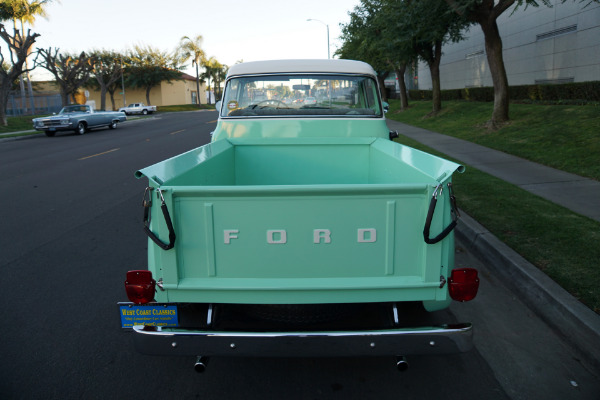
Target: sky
{"x": 232, "y": 30}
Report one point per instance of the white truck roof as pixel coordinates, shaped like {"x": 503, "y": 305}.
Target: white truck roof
{"x": 287, "y": 66}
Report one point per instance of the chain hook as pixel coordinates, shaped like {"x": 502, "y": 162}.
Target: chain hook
{"x": 147, "y": 199}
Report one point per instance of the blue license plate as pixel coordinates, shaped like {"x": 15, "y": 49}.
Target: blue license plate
{"x": 148, "y": 314}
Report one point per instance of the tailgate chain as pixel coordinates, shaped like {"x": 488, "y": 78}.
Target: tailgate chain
{"x": 453, "y": 211}
{"x": 147, "y": 203}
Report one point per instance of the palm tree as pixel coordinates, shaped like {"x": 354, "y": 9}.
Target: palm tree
{"x": 221, "y": 73}
{"x": 192, "y": 48}
{"x": 24, "y": 11}
{"x": 210, "y": 69}
{"x": 216, "y": 71}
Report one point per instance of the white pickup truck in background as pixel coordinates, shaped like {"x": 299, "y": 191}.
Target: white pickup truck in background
{"x": 138, "y": 108}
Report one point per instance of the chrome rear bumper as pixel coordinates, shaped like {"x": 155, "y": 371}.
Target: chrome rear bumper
{"x": 442, "y": 339}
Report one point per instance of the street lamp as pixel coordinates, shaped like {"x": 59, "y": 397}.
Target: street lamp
{"x": 123, "y": 83}
{"x": 316, "y": 20}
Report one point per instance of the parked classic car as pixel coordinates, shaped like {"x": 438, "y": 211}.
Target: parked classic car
{"x": 79, "y": 118}
{"x": 138, "y": 108}
{"x": 299, "y": 230}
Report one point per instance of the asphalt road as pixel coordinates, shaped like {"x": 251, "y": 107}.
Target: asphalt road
{"x": 71, "y": 226}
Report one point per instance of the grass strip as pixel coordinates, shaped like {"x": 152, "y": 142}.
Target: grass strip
{"x": 17, "y": 124}
{"x": 560, "y": 136}
{"x": 562, "y": 244}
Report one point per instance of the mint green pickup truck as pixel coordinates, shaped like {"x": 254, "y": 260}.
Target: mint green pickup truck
{"x": 302, "y": 229}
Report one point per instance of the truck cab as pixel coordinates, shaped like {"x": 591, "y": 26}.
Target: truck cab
{"x": 341, "y": 100}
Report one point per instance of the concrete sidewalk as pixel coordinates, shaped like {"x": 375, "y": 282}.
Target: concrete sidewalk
{"x": 578, "y": 194}
{"x": 552, "y": 303}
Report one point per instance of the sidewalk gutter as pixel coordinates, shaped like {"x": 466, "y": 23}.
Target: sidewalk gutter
{"x": 574, "y": 322}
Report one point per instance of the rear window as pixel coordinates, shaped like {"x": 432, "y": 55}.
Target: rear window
{"x": 308, "y": 95}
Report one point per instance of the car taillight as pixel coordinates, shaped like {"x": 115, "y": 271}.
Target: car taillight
{"x": 463, "y": 284}
{"x": 140, "y": 286}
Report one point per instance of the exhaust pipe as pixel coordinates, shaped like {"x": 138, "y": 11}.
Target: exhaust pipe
{"x": 200, "y": 365}
{"x": 401, "y": 363}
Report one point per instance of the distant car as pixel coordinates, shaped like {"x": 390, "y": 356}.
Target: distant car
{"x": 310, "y": 101}
{"x": 79, "y": 118}
{"x": 138, "y": 108}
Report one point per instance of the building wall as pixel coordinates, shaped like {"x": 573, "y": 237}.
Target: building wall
{"x": 540, "y": 45}
{"x": 167, "y": 94}
{"x": 180, "y": 92}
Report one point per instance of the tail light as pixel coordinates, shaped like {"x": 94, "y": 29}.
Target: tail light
{"x": 463, "y": 284}
{"x": 140, "y": 286}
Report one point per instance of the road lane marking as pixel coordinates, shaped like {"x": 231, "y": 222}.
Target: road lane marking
{"x": 212, "y": 122}
{"x": 99, "y": 154}
{"x": 173, "y": 133}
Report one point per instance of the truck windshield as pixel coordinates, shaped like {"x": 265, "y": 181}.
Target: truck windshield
{"x": 308, "y": 95}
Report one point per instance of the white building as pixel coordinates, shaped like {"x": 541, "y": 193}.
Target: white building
{"x": 560, "y": 44}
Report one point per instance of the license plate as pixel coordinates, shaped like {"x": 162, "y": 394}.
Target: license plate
{"x": 148, "y": 314}
{"x": 52, "y": 129}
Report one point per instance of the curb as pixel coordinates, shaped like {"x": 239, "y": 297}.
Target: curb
{"x": 24, "y": 137}
{"x": 574, "y": 322}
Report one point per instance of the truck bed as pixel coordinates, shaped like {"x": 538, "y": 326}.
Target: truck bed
{"x": 301, "y": 221}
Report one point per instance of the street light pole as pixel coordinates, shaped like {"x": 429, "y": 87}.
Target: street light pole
{"x": 316, "y": 20}
{"x": 123, "y": 84}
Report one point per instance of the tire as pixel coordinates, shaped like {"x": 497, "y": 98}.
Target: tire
{"x": 81, "y": 128}
{"x": 145, "y": 112}
{"x": 50, "y": 134}
{"x": 113, "y": 125}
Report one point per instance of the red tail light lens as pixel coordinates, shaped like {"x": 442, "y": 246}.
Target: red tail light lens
{"x": 140, "y": 286}
{"x": 463, "y": 284}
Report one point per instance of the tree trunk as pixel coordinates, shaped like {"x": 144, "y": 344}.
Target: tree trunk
{"x": 381, "y": 79}
{"x": 3, "y": 100}
{"x": 383, "y": 90}
{"x": 493, "y": 49}
{"x": 112, "y": 99}
{"x": 29, "y": 87}
{"x": 103, "y": 97}
{"x": 64, "y": 97}
{"x": 208, "y": 86}
{"x": 148, "y": 89}
{"x": 198, "y": 86}
{"x": 434, "y": 70}
{"x": 400, "y": 71}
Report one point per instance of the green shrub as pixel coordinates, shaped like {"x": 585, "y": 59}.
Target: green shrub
{"x": 566, "y": 93}
{"x": 478, "y": 94}
{"x": 420, "y": 94}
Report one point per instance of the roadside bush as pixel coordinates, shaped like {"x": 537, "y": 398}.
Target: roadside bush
{"x": 478, "y": 94}
{"x": 566, "y": 93}
{"x": 420, "y": 94}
